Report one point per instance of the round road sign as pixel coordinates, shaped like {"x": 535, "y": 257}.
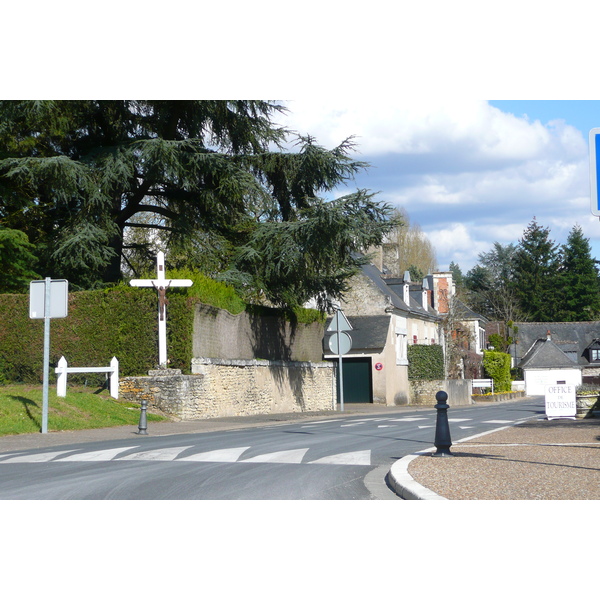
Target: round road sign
{"x": 343, "y": 345}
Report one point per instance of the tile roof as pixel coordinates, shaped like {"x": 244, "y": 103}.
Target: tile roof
{"x": 545, "y": 354}
{"x": 368, "y": 333}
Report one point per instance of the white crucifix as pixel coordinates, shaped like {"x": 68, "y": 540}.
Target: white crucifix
{"x": 161, "y": 284}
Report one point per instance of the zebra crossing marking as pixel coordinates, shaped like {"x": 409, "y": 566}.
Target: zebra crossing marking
{"x": 361, "y": 457}
{"x": 160, "y": 454}
{"x": 222, "y": 455}
{"x": 283, "y": 456}
{"x": 95, "y": 455}
{"x": 43, "y": 457}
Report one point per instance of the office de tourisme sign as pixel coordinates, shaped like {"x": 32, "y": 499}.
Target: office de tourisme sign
{"x": 560, "y": 401}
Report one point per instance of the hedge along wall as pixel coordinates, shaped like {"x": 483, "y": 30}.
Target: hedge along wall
{"x": 122, "y": 322}
{"x": 119, "y": 322}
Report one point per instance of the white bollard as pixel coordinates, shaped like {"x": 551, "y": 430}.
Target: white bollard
{"x": 61, "y": 380}
{"x": 114, "y": 378}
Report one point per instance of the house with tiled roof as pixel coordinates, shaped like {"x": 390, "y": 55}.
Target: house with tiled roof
{"x": 578, "y": 343}
{"x": 545, "y": 363}
{"x": 386, "y": 315}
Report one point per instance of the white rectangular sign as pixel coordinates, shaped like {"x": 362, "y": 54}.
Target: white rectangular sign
{"x": 560, "y": 401}
{"x": 59, "y": 299}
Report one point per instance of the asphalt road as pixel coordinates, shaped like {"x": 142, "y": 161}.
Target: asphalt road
{"x": 332, "y": 458}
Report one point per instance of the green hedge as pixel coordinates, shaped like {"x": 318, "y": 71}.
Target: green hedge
{"x": 119, "y": 321}
{"x": 425, "y": 362}
{"x": 497, "y": 366}
{"x": 100, "y": 324}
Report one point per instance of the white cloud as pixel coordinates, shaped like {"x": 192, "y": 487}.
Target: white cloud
{"x": 466, "y": 172}
{"x": 455, "y": 240}
{"x": 482, "y": 133}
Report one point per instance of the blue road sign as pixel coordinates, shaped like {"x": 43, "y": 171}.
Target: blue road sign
{"x": 595, "y": 170}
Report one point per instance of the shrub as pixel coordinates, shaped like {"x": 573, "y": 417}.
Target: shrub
{"x": 497, "y": 366}
{"x": 425, "y": 362}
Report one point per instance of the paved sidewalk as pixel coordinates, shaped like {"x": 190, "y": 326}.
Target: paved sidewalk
{"x": 535, "y": 460}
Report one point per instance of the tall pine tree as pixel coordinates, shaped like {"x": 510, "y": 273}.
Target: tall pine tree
{"x": 580, "y": 290}
{"x": 536, "y": 274}
{"x": 77, "y": 176}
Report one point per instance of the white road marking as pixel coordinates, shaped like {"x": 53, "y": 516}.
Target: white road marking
{"x": 361, "y": 457}
{"x": 44, "y": 457}
{"x": 284, "y": 456}
{"x": 96, "y": 455}
{"x": 160, "y": 454}
{"x": 411, "y": 419}
{"x": 425, "y": 426}
{"x": 458, "y": 420}
{"x": 498, "y": 421}
{"x": 223, "y": 455}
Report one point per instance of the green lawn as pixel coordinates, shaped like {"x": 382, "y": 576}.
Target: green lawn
{"x": 21, "y": 410}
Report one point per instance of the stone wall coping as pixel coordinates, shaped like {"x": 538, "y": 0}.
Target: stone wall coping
{"x": 227, "y": 362}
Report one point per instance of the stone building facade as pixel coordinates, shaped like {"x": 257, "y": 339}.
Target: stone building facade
{"x": 387, "y": 314}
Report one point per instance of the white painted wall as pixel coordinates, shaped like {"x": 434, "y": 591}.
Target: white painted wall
{"x": 537, "y": 379}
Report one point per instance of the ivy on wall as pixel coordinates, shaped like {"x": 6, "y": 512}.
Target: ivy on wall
{"x": 425, "y": 362}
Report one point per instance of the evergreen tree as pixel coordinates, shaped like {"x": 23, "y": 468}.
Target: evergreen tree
{"x": 16, "y": 260}
{"x": 457, "y": 277}
{"x": 580, "y": 290}
{"x": 536, "y": 274}
{"x": 489, "y": 286}
{"x": 208, "y": 177}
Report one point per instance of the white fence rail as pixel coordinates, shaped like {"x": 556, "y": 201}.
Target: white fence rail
{"x": 63, "y": 369}
{"x": 484, "y": 383}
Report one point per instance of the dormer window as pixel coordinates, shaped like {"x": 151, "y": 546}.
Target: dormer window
{"x": 594, "y": 351}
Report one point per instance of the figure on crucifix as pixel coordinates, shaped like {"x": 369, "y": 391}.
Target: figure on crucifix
{"x": 162, "y": 299}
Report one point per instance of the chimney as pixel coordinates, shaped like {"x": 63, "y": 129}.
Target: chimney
{"x": 442, "y": 291}
{"x": 548, "y": 336}
{"x": 406, "y": 288}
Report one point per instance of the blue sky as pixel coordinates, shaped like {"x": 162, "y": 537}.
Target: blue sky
{"x": 469, "y": 172}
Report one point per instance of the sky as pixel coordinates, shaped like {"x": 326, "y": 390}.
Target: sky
{"x": 468, "y": 172}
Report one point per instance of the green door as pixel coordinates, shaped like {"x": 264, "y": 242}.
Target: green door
{"x": 357, "y": 380}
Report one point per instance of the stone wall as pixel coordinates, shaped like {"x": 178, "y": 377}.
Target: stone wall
{"x": 219, "y": 334}
{"x": 223, "y": 388}
{"x": 458, "y": 390}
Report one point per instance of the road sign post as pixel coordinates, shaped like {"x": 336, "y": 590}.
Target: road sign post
{"x": 595, "y": 171}
{"x": 47, "y": 299}
{"x": 340, "y": 343}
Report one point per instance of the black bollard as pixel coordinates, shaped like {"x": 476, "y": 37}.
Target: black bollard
{"x": 442, "y": 429}
{"x": 143, "y": 420}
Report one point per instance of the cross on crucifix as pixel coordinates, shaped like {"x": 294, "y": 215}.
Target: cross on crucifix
{"x": 161, "y": 284}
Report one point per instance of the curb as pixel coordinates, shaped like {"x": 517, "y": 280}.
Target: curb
{"x": 404, "y": 485}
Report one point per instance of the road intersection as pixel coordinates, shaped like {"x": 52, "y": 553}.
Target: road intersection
{"x": 331, "y": 458}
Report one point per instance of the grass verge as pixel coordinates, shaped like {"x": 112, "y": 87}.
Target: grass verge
{"x": 21, "y": 410}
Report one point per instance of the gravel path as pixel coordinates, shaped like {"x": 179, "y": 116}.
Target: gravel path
{"x": 537, "y": 460}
